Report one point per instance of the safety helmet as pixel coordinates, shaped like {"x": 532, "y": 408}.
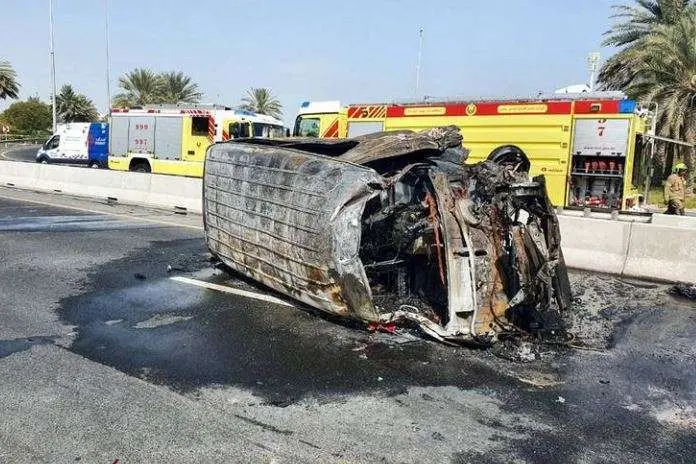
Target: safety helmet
{"x": 680, "y": 167}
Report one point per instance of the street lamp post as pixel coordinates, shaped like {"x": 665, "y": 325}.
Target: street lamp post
{"x": 108, "y": 73}
{"x": 593, "y": 64}
{"x": 53, "y": 63}
{"x": 418, "y": 62}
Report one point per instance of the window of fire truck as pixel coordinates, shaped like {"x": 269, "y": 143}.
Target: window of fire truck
{"x": 199, "y": 125}
{"x": 239, "y": 130}
{"x": 307, "y": 127}
{"x": 268, "y": 130}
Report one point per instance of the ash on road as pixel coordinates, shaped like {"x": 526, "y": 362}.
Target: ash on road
{"x": 103, "y": 356}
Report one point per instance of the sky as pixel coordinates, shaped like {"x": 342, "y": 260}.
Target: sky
{"x": 356, "y": 51}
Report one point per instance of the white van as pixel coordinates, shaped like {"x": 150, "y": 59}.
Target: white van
{"x": 77, "y": 143}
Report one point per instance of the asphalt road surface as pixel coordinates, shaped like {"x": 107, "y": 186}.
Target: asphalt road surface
{"x": 112, "y": 348}
{"x": 24, "y": 153}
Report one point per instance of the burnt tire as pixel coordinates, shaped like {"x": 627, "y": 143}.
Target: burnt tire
{"x": 510, "y": 155}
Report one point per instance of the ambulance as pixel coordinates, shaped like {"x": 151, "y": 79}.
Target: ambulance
{"x": 77, "y": 143}
{"x": 172, "y": 139}
{"x": 587, "y": 145}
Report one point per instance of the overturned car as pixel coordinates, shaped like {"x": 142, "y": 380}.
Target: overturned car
{"x": 391, "y": 228}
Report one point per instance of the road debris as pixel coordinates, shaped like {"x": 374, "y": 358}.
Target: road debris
{"x": 685, "y": 290}
{"x": 392, "y": 229}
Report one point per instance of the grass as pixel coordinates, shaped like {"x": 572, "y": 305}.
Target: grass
{"x": 656, "y": 197}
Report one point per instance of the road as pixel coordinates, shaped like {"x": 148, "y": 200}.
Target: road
{"x": 24, "y": 153}
{"x": 111, "y": 349}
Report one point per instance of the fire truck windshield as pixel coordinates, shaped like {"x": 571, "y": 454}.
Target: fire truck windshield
{"x": 307, "y": 127}
{"x": 268, "y": 130}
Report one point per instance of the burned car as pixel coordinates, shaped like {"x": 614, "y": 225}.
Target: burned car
{"x": 390, "y": 228}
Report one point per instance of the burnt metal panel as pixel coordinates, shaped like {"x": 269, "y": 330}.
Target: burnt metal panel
{"x": 291, "y": 220}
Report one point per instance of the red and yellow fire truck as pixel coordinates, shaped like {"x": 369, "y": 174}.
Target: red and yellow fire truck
{"x": 586, "y": 145}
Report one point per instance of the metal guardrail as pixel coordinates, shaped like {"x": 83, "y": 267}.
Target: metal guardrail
{"x": 26, "y": 139}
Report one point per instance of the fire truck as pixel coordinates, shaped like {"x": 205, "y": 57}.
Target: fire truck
{"x": 585, "y": 144}
{"x": 172, "y": 139}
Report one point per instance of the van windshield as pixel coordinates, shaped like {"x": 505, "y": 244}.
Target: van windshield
{"x": 51, "y": 143}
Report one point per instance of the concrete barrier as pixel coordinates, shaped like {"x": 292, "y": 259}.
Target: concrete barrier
{"x": 662, "y": 253}
{"x": 595, "y": 244}
{"x": 23, "y": 175}
{"x": 155, "y": 190}
{"x": 662, "y": 250}
{"x": 182, "y": 192}
{"x": 633, "y": 249}
{"x": 688, "y": 222}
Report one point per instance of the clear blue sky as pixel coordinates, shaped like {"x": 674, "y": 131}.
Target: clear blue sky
{"x": 361, "y": 50}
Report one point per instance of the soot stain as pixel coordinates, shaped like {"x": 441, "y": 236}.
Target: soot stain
{"x": 281, "y": 354}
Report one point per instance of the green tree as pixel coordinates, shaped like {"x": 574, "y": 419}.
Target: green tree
{"x": 656, "y": 63}
{"x": 667, "y": 75}
{"x": 262, "y": 101}
{"x": 634, "y": 25}
{"x": 176, "y": 87}
{"x": 9, "y": 88}
{"x": 72, "y": 106}
{"x": 145, "y": 87}
{"x": 140, "y": 87}
{"x": 30, "y": 117}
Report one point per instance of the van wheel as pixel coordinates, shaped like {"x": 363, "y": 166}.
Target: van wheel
{"x": 94, "y": 165}
{"x": 42, "y": 160}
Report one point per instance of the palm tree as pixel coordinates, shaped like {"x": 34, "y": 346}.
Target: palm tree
{"x": 74, "y": 107}
{"x": 9, "y": 88}
{"x": 176, "y": 87}
{"x": 634, "y": 24}
{"x": 666, "y": 75}
{"x": 262, "y": 101}
{"x": 140, "y": 87}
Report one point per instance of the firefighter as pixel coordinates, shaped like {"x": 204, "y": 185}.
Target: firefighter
{"x": 675, "y": 190}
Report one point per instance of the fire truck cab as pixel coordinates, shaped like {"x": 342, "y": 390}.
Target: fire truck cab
{"x": 586, "y": 144}
{"x": 172, "y": 139}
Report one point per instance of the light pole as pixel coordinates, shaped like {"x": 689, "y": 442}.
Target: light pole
{"x": 592, "y": 64}
{"x": 108, "y": 72}
{"x": 418, "y": 62}
{"x": 53, "y": 63}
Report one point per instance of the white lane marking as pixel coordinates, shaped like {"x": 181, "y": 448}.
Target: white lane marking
{"x": 233, "y": 291}
{"x": 86, "y": 210}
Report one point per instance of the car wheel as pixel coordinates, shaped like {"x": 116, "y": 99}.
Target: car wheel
{"x": 94, "y": 165}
